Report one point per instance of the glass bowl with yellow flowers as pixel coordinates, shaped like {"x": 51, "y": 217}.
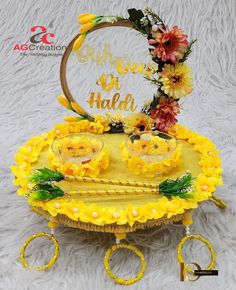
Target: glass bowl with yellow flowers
{"x": 78, "y": 148}
{"x": 151, "y": 146}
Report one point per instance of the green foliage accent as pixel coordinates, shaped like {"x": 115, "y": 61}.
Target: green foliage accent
{"x": 177, "y": 187}
{"x": 44, "y": 175}
{"x": 149, "y": 11}
{"x": 188, "y": 51}
{"x": 45, "y": 191}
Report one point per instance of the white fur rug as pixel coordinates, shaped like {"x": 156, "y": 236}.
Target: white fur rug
{"x": 29, "y": 87}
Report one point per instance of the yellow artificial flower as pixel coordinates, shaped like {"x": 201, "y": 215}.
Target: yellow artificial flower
{"x": 204, "y": 183}
{"x": 86, "y": 27}
{"x": 78, "y": 109}
{"x": 195, "y": 138}
{"x": 135, "y": 214}
{"x": 210, "y": 161}
{"x": 71, "y": 119}
{"x": 179, "y": 131}
{"x": 72, "y": 209}
{"x": 176, "y": 80}
{"x": 78, "y": 42}
{"x": 74, "y": 127}
{"x": 64, "y": 102}
{"x": 22, "y": 170}
{"x": 115, "y": 215}
{"x": 93, "y": 214}
{"x": 152, "y": 169}
{"x": 103, "y": 160}
{"x": 137, "y": 123}
{"x": 45, "y": 139}
{"x": 60, "y": 130}
{"x": 212, "y": 171}
{"x": 135, "y": 164}
{"x": 170, "y": 207}
{"x": 83, "y": 126}
{"x": 86, "y": 17}
{"x": 152, "y": 211}
{"x": 104, "y": 121}
{"x": 55, "y": 206}
{"x": 96, "y": 127}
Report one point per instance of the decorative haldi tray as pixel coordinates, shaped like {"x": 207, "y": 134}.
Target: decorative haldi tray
{"x": 121, "y": 162}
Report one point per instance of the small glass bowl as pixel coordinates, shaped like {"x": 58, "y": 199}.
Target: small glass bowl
{"x": 151, "y": 146}
{"x": 77, "y": 148}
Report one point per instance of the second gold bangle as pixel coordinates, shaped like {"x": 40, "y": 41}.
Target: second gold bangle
{"x": 113, "y": 276}
{"x": 202, "y": 239}
{"x": 53, "y": 259}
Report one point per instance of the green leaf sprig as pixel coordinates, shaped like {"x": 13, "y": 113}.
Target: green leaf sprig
{"x": 44, "y": 175}
{"x": 45, "y": 189}
{"x": 182, "y": 186}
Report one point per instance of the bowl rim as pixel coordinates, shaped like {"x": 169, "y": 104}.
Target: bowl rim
{"x": 72, "y": 135}
{"x": 151, "y": 132}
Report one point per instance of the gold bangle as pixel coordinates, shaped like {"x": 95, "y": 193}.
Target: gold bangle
{"x": 202, "y": 239}
{"x": 113, "y": 276}
{"x": 53, "y": 259}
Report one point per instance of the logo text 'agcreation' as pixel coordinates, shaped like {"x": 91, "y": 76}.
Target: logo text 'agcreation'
{"x": 41, "y": 41}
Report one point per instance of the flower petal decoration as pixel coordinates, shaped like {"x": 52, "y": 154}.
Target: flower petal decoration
{"x": 78, "y": 42}
{"x": 86, "y": 17}
{"x": 137, "y": 123}
{"x": 169, "y": 44}
{"x": 164, "y": 114}
{"x": 176, "y": 80}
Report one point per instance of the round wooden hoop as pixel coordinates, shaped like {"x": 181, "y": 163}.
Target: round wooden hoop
{"x": 65, "y": 57}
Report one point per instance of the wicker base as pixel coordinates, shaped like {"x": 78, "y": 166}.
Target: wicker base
{"x": 113, "y": 228}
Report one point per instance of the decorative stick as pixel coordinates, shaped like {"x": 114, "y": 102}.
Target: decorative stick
{"x": 112, "y": 191}
{"x": 112, "y": 181}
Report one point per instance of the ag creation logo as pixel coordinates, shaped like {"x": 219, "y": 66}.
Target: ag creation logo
{"x": 41, "y": 43}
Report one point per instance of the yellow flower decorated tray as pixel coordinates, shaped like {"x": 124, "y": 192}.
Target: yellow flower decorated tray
{"x": 117, "y": 172}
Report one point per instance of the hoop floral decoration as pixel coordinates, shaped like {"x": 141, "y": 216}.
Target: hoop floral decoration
{"x": 169, "y": 48}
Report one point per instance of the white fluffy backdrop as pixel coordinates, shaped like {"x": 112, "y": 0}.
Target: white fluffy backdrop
{"x": 29, "y": 87}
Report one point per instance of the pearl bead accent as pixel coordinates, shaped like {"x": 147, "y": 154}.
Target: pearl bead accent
{"x": 115, "y": 215}
{"x": 154, "y": 28}
{"x": 154, "y": 210}
{"x": 25, "y": 157}
{"x": 58, "y": 131}
{"x": 187, "y": 230}
{"x": 57, "y": 205}
{"x": 94, "y": 214}
{"x": 204, "y": 187}
{"x": 45, "y": 137}
{"x": 134, "y": 212}
{"x": 75, "y": 209}
{"x": 29, "y": 148}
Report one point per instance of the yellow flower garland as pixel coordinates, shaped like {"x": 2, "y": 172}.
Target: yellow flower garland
{"x": 76, "y": 210}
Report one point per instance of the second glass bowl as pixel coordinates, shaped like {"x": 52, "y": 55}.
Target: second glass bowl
{"x": 151, "y": 146}
{"x": 77, "y": 148}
